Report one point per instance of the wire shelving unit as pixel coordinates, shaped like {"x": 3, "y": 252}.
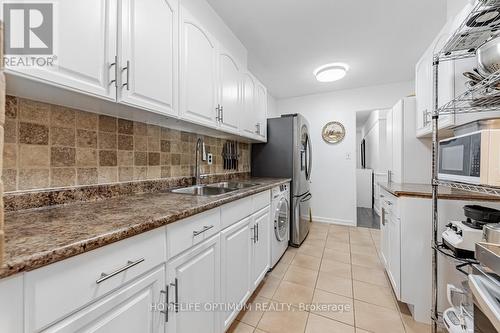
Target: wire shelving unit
{"x": 482, "y": 97}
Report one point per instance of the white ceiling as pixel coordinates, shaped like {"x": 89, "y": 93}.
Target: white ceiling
{"x": 381, "y": 40}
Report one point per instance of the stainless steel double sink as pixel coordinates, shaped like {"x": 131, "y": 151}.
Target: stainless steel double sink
{"x": 213, "y": 189}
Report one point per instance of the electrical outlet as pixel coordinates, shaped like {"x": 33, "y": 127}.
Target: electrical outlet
{"x": 209, "y": 159}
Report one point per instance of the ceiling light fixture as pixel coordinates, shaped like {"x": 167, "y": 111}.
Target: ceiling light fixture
{"x": 331, "y": 72}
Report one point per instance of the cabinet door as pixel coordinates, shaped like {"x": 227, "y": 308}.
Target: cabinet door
{"x": 85, "y": 57}
{"x": 260, "y": 251}
{"x": 397, "y": 142}
{"x": 148, "y": 55}
{"x": 127, "y": 310}
{"x": 194, "y": 279}
{"x": 261, "y": 110}
{"x": 384, "y": 232}
{"x": 198, "y": 62}
{"x": 230, "y": 91}
{"x": 235, "y": 267}
{"x": 394, "y": 271}
{"x": 389, "y": 139}
{"x": 249, "y": 119}
{"x": 423, "y": 89}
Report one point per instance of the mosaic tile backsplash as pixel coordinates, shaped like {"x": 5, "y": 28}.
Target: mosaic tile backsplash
{"x": 49, "y": 146}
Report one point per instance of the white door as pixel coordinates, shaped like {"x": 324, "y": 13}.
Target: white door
{"x": 127, "y": 310}
{"x": 148, "y": 55}
{"x": 84, "y": 47}
{"x": 249, "y": 119}
{"x": 261, "y": 246}
{"x": 235, "y": 267}
{"x": 198, "y": 68}
{"x": 394, "y": 271}
{"x": 397, "y": 141}
{"x": 230, "y": 92}
{"x": 389, "y": 140}
{"x": 194, "y": 279}
{"x": 261, "y": 110}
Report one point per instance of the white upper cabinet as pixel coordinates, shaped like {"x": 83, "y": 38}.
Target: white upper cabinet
{"x": 148, "y": 61}
{"x": 261, "y": 110}
{"x": 230, "y": 92}
{"x": 198, "y": 68}
{"x": 84, "y": 46}
{"x": 248, "y": 120}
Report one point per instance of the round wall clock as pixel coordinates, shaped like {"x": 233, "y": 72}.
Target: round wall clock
{"x": 333, "y": 132}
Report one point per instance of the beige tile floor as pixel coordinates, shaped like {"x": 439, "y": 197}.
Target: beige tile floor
{"x": 335, "y": 266}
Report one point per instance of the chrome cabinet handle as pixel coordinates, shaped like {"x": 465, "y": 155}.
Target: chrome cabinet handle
{"x": 176, "y": 294}
{"x": 258, "y": 128}
{"x": 257, "y": 226}
{"x": 114, "y": 64}
{"x": 254, "y": 238}
{"x": 165, "y": 312}
{"x": 383, "y": 216}
{"x": 217, "y": 117}
{"x": 126, "y": 84}
{"x": 389, "y": 203}
{"x": 130, "y": 264}
{"x": 205, "y": 228}
{"x": 221, "y": 114}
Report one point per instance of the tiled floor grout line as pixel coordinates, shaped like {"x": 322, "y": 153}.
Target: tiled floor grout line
{"x": 352, "y": 235}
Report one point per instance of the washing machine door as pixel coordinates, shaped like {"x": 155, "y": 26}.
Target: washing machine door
{"x": 282, "y": 220}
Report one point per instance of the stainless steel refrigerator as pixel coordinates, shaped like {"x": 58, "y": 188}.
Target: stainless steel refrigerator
{"x": 287, "y": 153}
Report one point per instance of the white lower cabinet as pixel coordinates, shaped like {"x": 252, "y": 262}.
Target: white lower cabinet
{"x": 176, "y": 279}
{"x": 127, "y": 310}
{"x": 391, "y": 240}
{"x": 236, "y": 250}
{"x": 260, "y": 248}
{"x": 11, "y": 304}
{"x": 194, "y": 283}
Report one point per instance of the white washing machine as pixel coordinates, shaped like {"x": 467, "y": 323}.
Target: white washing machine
{"x": 280, "y": 223}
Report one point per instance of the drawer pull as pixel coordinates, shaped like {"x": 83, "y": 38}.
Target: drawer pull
{"x": 205, "y": 228}
{"x": 130, "y": 264}
{"x": 257, "y": 226}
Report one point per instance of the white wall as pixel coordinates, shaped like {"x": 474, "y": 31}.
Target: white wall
{"x": 334, "y": 174}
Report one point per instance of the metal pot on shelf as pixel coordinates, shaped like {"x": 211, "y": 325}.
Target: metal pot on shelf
{"x": 488, "y": 57}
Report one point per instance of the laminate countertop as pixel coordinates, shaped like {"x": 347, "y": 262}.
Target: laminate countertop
{"x": 42, "y": 236}
{"x": 425, "y": 191}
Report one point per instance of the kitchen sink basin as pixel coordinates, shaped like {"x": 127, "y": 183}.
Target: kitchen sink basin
{"x": 203, "y": 190}
{"x": 233, "y": 185}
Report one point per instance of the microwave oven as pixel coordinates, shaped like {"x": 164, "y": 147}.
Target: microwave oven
{"x": 472, "y": 158}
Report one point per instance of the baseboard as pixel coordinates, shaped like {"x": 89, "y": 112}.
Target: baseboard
{"x": 333, "y": 221}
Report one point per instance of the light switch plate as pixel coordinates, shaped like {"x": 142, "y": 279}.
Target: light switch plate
{"x": 209, "y": 159}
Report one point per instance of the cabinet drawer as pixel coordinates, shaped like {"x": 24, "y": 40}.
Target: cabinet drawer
{"x": 261, "y": 200}
{"x": 235, "y": 211}
{"x": 390, "y": 203}
{"x": 184, "y": 234}
{"x": 57, "y": 290}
